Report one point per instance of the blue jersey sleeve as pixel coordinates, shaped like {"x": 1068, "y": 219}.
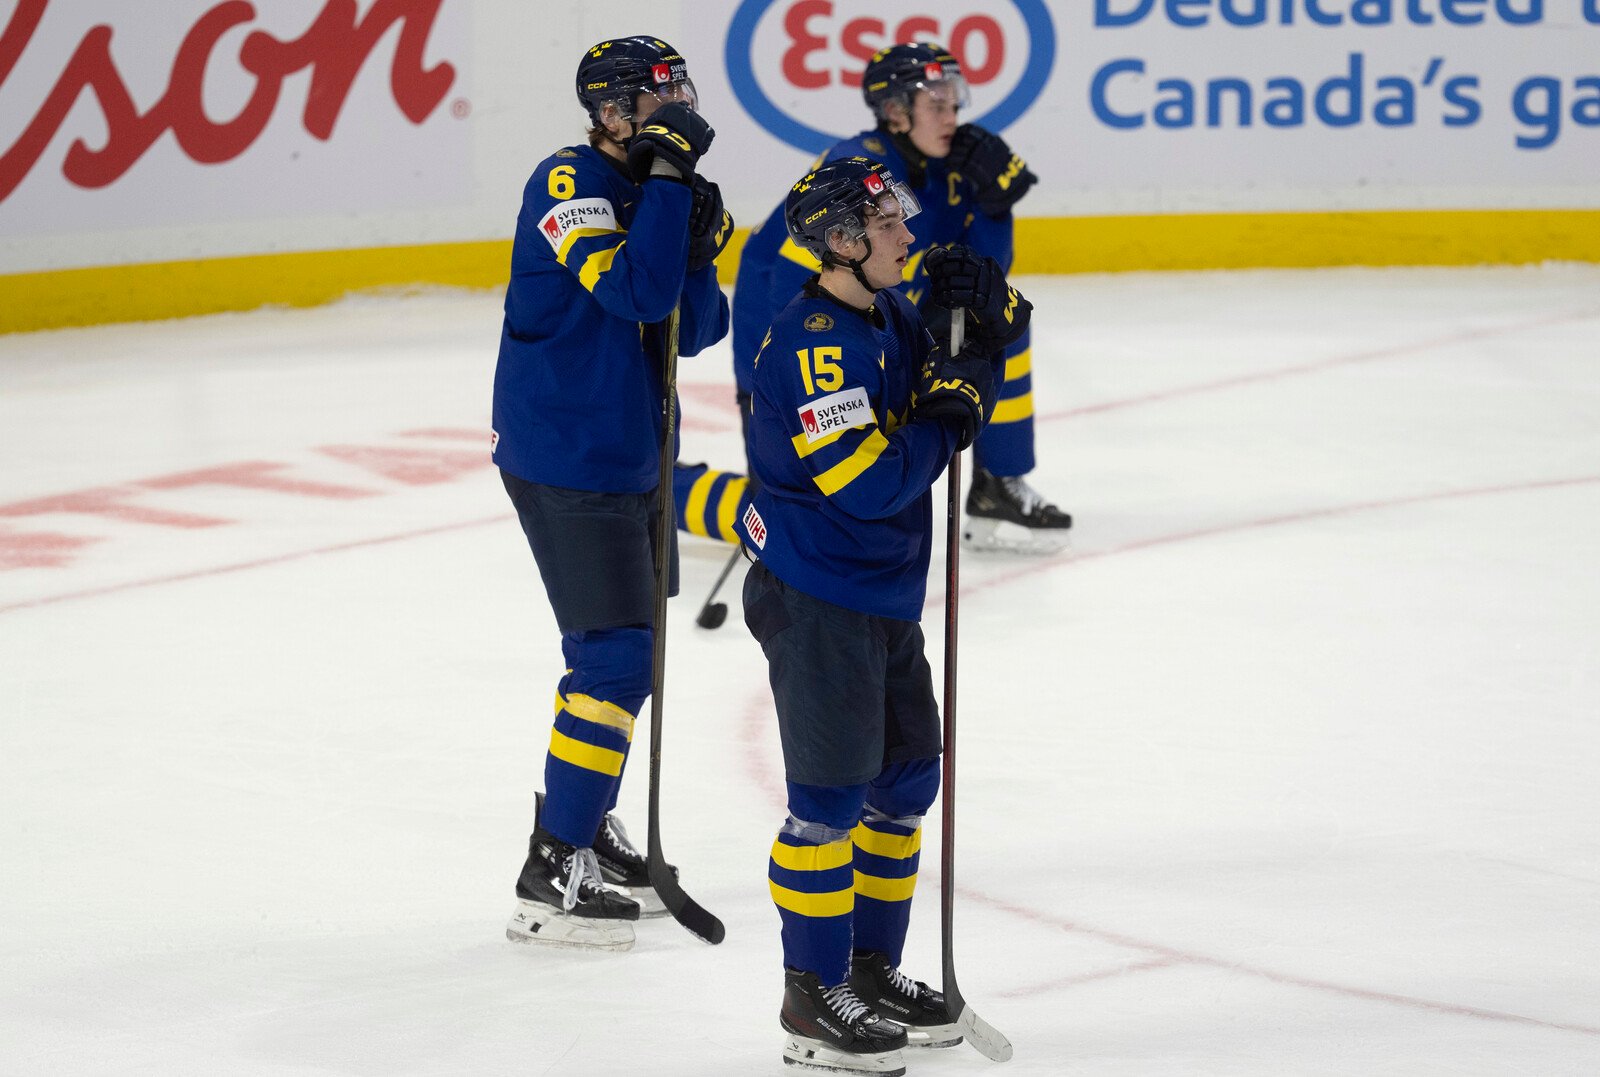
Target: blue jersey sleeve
{"x": 634, "y": 270}
{"x": 831, "y": 403}
{"x": 704, "y": 317}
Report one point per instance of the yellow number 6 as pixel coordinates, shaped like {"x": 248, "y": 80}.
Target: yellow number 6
{"x": 561, "y": 181}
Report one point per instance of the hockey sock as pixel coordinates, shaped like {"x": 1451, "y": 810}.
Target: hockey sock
{"x": 708, "y": 501}
{"x": 887, "y": 850}
{"x": 1005, "y": 447}
{"x": 812, "y": 880}
{"x": 595, "y": 707}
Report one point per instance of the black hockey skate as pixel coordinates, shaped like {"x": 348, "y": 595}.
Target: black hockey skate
{"x": 623, "y": 865}
{"x": 562, "y": 899}
{"x": 901, "y": 999}
{"x": 830, "y": 1029}
{"x": 1008, "y": 514}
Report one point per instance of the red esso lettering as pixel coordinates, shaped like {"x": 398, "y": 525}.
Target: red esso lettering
{"x": 976, "y": 40}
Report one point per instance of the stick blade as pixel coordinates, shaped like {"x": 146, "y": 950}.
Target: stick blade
{"x": 983, "y": 1036}
{"x": 694, "y": 917}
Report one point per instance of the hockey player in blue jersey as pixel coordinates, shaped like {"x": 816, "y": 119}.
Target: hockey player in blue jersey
{"x": 612, "y": 235}
{"x": 855, "y": 411}
{"x": 968, "y": 181}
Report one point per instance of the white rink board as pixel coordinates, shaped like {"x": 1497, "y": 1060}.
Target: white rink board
{"x": 224, "y": 149}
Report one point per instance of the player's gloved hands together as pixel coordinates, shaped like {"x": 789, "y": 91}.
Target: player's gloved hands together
{"x": 959, "y": 279}
{"x": 957, "y": 388}
{"x": 998, "y": 177}
{"x": 710, "y": 225}
{"x": 673, "y": 137}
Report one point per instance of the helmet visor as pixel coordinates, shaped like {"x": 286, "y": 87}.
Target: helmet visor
{"x": 897, "y": 202}
{"x": 947, "y": 90}
{"x": 893, "y": 203}
{"x": 679, "y": 91}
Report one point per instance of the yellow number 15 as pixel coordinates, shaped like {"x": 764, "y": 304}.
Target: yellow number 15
{"x": 820, "y": 368}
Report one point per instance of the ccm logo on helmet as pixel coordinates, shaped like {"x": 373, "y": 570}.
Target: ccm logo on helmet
{"x": 810, "y": 55}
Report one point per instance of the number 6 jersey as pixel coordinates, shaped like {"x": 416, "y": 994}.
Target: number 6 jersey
{"x": 597, "y": 261}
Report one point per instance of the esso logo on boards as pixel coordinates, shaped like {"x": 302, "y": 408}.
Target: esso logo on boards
{"x": 795, "y": 65}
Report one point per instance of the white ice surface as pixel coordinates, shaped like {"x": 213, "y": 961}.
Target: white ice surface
{"x": 1290, "y": 766}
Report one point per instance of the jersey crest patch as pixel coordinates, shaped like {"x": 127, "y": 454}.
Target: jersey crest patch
{"x": 836, "y": 412}
{"x": 755, "y": 526}
{"x": 577, "y": 213}
{"x": 819, "y": 323}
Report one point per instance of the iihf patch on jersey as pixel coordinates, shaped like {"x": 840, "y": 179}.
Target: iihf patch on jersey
{"x": 755, "y": 526}
{"x": 836, "y": 412}
{"x": 569, "y": 216}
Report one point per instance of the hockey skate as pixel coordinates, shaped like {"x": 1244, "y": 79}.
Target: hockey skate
{"x": 1009, "y": 515}
{"x": 903, "y": 1000}
{"x": 562, "y": 899}
{"x": 831, "y": 1030}
{"x": 623, "y": 866}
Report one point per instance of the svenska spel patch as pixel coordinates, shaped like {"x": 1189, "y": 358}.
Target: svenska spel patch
{"x": 577, "y": 213}
{"x": 836, "y": 412}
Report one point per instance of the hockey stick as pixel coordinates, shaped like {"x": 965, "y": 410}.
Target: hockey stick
{"x": 712, "y": 614}
{"x": 978, "y": 1032}
{"x": 683, "y": 908}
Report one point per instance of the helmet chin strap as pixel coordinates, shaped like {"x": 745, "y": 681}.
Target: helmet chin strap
{"x": 855, "y": 265}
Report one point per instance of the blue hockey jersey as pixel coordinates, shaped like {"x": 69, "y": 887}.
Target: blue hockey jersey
{"x": 772, "y": 267}
{"x": 598, "y": 261}
{"x": 844, "y": 511}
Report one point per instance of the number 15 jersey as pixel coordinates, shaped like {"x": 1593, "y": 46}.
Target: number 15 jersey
{"x": 845, "y": 512}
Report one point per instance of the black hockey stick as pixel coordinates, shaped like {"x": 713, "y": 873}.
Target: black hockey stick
{"x": 683, "y": 908}
{"x": 712, "y": 614}
{"x": 978, "y": 1032}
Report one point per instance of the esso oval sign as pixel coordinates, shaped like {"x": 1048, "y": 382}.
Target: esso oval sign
{"x": 796, "y": 65}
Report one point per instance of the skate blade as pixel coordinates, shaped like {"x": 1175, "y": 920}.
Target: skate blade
{"x": 805, "y": 1053}
{"x": 651, "y": 907}
{"x": 535, "y": 922}
{"x": 982, "y": 535}
{"x": 931, "y": 1036}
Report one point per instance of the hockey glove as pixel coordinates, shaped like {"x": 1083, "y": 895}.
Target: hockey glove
{"x": 999, "y": 177}
{"x": 958, "y": 278}
{"x": 710, "y": 225}
{"x": 674, "y": 135}
{"x": 958, "y": 389}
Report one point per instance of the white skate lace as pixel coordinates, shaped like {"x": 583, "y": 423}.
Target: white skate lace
{"x": 1028, "y": 499}
{"x": 842, "y": 1001}
{"x": 619, "y": 838}
{"x": 909, "y": 987}
{"x": 583, "y": 873}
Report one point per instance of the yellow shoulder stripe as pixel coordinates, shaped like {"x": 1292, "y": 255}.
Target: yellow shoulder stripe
{"x": 842, "y": 474}
{"x": 596, "y": 264}
{"x": 804, "y": 446}
{"x": 584, "y": 233}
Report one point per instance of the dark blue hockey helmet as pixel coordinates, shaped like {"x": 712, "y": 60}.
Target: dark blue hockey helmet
{"x": 896, "y": 73}
{"x": 831, "y": 205}
{"x": 616, "y": 72}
